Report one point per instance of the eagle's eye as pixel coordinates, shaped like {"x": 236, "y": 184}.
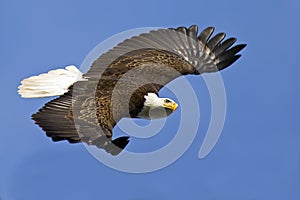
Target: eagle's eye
{"x": 167, "y": 101}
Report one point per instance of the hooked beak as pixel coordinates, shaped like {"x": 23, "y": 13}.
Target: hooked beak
{"x": 172, "y": 106}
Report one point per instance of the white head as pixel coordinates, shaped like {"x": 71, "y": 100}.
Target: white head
{"x": 156, "y": 107}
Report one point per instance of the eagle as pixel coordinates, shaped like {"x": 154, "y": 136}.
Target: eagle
{"x": 124, "y": 82}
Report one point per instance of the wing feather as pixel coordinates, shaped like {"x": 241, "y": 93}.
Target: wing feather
{"x": 199, "y": 50}
{"x": 224, "y": 46}
{"x": 215, "y": 40}
{"x": 205, "y": 35}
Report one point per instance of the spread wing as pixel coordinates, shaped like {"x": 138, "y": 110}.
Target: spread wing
{"x": 202, "y": 52}
{"x": 151, "y": 60}
{"x": 118, "y": 80}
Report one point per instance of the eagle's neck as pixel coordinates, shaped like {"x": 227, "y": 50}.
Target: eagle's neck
{"x": 153, "y": 108}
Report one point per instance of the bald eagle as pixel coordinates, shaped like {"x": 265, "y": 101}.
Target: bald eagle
{"x": 124, "y": 82}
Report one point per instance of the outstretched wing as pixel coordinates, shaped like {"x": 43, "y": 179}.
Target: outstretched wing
{"x": 152, "y": 60}
{"x": 57, "y": 119}
{"x": 205, "y": 54}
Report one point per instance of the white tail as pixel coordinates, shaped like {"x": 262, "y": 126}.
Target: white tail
{"x": 54, "y": 83}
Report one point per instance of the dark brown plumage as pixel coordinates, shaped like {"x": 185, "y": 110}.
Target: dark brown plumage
{"x": 91, "y": 109}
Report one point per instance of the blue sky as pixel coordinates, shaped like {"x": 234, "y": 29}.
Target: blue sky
{"x": 258, "y": 154}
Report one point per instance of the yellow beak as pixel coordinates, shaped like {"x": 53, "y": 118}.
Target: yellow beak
{"x": 172, "y": 106}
